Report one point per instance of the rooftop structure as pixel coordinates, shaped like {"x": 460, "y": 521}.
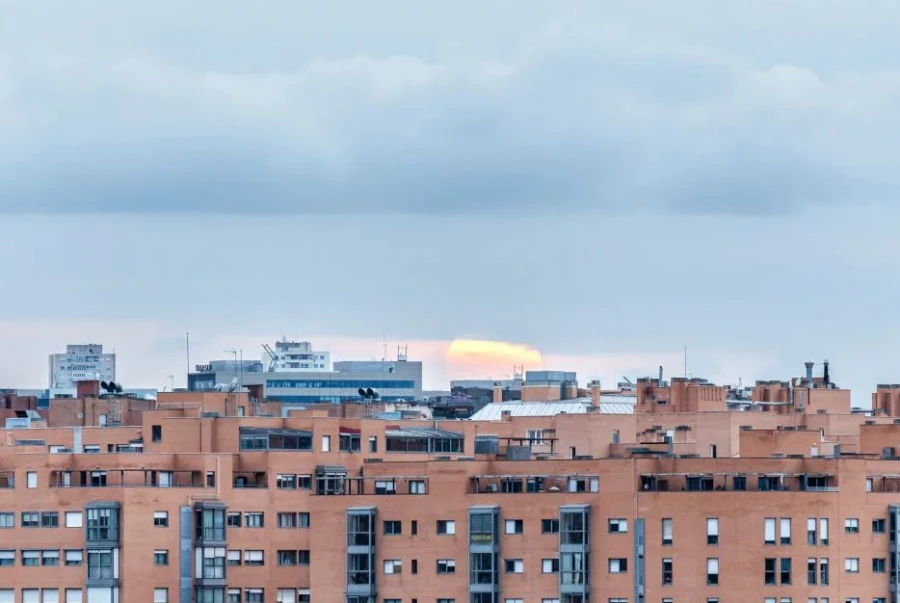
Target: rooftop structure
{"x": 82, "y": 361}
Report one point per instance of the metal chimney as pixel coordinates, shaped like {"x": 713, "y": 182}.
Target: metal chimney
{"x": 660, "y": 381}
{"x": 809, "y": 370}
{"x": 826, "y": 377}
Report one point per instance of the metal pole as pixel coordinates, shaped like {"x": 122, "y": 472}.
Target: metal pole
{"x": 187, "y": 344}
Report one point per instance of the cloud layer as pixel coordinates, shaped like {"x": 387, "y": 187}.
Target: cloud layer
{"x": 590, "y": 109}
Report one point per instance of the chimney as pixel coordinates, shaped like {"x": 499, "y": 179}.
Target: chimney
{"x": 826, "y": 377}
{"x": 660, "y": 382}
{"x": 809, "y": 371}
{"x": 595, "y": 393}
{"x": 498, "y": 393}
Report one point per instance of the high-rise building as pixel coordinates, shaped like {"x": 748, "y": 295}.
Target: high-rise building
{"x": 81, "y": 362}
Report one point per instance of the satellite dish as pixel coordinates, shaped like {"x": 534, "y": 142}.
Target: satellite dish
{"x": 372, "y": 393}
{"x": 104, "y": 385}
{"x": 118, "y": 387}
{"x": 362, "y": 393}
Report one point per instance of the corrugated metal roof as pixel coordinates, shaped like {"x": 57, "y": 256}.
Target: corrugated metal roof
{"x": 421, "y": 432}
{"x": 617, "y": 405}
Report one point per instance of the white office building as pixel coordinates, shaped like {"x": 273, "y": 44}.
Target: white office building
{"x": 81, "y": 362}
{"x": 295, "y": 357}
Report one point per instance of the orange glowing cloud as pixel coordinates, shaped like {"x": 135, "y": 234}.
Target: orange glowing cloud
{"x": 472, "y": 358}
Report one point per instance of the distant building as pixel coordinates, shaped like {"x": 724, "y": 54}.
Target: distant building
{"x": 294, "y": 357}
{"x": 81, "y": 362}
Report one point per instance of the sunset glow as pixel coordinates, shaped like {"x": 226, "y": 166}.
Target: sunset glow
{"x": 472, "y": 358}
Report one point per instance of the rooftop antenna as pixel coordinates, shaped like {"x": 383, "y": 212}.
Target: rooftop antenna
{"x": 384, "y": 345}
{"x": 685, "y": 363}
{"x": 402, "y": 353}
{"x": 187, "y": 347}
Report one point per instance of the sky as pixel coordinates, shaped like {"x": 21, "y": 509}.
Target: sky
{"x": 602, "y": 183}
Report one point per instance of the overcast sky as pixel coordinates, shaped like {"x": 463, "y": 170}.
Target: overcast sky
{"x": 605, "y": 181}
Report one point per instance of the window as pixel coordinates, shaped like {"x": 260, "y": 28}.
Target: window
{"x": 513, "y": 600}
{"x": 30, "y": 519}
{"x": 712, "y": 530}
{"x": 254, "y": 558}
{"x": 31, "y": 479}
{"x": 73, "y": 595}
{"x": 156, "y": 433}
{"x": 50, "y": 558}
{"x": 49, "y": 519}
{"x": 878, "y": 565}
{"x": 811, "y": 571}
{"x": 233, "y": 520}
{"x": 514, "y": 526}
{"x": 618, "y": 526}
{"x": 7, "y": 558}
{"x": 285, "y": 481}
{"x": 823, "y": 572}
{"x": 851, "y": 525}
{"x": 667, "y": 531}
{"x": 416, "y": 486}
{"x": 811, "y": 531}
{"x": 161, "y": 519}
{"x": 303, "y": 595}
{"x": 851, "y": 565}
{"x": 161, "y": 557}
{"x": 823, "y": 531}
{"x": 770, "y": 571}
{"x": 254, "y": 595}
{"x": 769, "y": 530}
{"x": 303, "y": 519}
{"x": 7, "y": 520}
{"x": 99, "y": 565}
{"x": 326, "y": 443}
{"x": 667, "y": 572}
{"x": 784, "y": 530}
{"x": 514, "y": 566}
{"x": 549, "y": 526}
{"x": 712, "y": 572}
{"x": 393, "y": 566}
{"x": 414, "y": 527}
{"x": 233, "y": 558}
{"x": 785, "y": 576}
{"x": 878, "y": 526}
{"x": 287, "y": 557}
{"x": 446, "y": 566}
{"x": 446, "y": 527}
{"x": 74, "y": 557}
{"x": 253, "y": 520}
{"x": 286, "y": 595}
{"x": 286, "y": 520}
{"x": 31, "y": 558}
{"x": 160, "y": 595}
{"x": 618, "y": 566}
{"x": 349, "y": 442}
{"x": 74, "y": 519}
{"x": 550, "y": 566}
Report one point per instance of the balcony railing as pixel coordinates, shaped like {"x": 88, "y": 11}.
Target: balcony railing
{"x": 129, "y": 478}
{"x": 534, "y": 484}
{"x": 738, "y": 482}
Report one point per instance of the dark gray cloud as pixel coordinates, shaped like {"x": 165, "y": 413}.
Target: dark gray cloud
{"x": 588, "y": 108}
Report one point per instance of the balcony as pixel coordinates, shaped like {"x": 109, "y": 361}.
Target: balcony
{"x": 534, "y": 484}
{"x": 7, "y": 479}
{"x": 738, "y": 482}
{"x": 332, "y": 485}
{"x": 250, "y": 479}
{"x": 128, "y": 478}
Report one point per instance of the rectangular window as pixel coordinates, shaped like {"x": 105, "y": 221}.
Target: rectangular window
{"x": 393, "y": 566}
{"x": 161, "y": 519}
{"x": 667, "y": 531}
{"x": 49, "y": 519}
{"x": 550, "y": 566}
{"x": 514, "y": 526}
{"x": 160, "y": 595}
{"x": 286, "y": 595}
{"x": 823, "y": 572}
{"x": 233, "y": 558}
{"x": 811, "y": 571}
{"x": 7, "y": 558}
{"x": 618, "y": 566}
{"x": 286, "y": 520}
{"x": 285, "y": 481}
{"x": 50, "y": 558}
{"x": 784, "y": 531}
{"x": 160, "y": 557}
{"x": 446, "y": 566}
{"x": 618, "y": 526}
{"x": 851, "y": 565}
{"x": 667, "y": 572}
{"x": 7, "y": 520}
{"x": 30, "y": 519}
{"x": 74, "y": 557}
{"x": 31, "y": 558}
{"x": 712, "y": 530}
{"x": 254, "y": 558}
{"x": 326, "y": 443}
{"x": 712, "y": 572}
{"x": 74, "y": 519}
{"x": 255, "y": 595}
{"x": 851, "y": 525}
{"x": 514, "y": 566}
{"x": 31, "y": 479}
{"x": 785, "y": 573}
{"x": 446, "y": 527}
{"x": 878, "y": 565}
{"x": 156, "y": 433}
{"x": 303, "y": 519}
{"x": 253, "y": 520}
{"x": 233, "y": 520}
{"x": 287, "y": 558}
{"x": 769, "y": 575}
{"x": 769, "y": 530}
{"x": 549, "y": 526}
{"x": 878, "y": 526}
{"x": 393, "y": 528}
{"x": 823, "y": 531}
{"x": 811, "y": 531}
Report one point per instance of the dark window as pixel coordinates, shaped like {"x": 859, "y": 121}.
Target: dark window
{"x": 233, "y": 520}
{"x": 878, "y": 566}
{"x": 667, "y": 572}
{"x": 414, "y": 566}
{"x": 786, "y": 570}
{"x": 393, "y": 528}
{"x": 156, "y": 431}
{"x": 414, "y": 527}
{"x": 349, "y": 442}
{"x": 878, "y": 526}
{"x": 770, "y": 571}
{"x": 161, "y": 558}
{"x": 50, "y": 519}
{"x": 549, "y": 526}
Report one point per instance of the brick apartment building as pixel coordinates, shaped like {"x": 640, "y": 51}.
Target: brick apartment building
{"x": 794, "y": 500}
